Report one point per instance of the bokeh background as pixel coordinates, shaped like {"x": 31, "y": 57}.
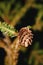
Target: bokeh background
{"x": 21, "y": 13}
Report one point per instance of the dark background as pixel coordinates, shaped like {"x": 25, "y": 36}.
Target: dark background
{"x": 27, "y": 19}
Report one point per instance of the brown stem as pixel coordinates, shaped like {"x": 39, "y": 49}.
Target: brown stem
{"x": 6, "y": 19}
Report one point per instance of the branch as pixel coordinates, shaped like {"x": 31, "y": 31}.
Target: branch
{"x": 5, "y": 18}
{"x": 4, "y": 46}
{"x": 21, "y": 13}
{"x": 38, "y": 24}
{"x": 38, "y": 6}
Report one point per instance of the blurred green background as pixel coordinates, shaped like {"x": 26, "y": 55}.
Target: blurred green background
{"x": 23, "y": 13}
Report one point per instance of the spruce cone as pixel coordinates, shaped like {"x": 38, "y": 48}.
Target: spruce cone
{"x": 25, "y": 36}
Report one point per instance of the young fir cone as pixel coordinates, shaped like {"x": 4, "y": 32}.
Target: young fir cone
{"x": 25, "y": 36}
